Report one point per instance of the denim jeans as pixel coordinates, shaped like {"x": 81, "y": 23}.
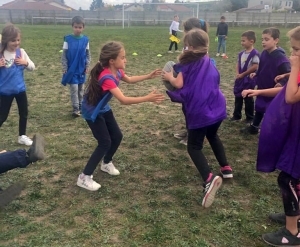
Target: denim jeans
{"x": 109, "y": 136}
{"x": 11, "y": 160}
{"x": 76, "y": 96}
{"x": 221, "y": 42}
{"x": 195, "y": 145}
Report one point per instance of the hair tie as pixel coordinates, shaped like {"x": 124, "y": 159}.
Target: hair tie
{"x": 202, "y": 22}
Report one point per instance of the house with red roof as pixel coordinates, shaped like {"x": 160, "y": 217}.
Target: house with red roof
{"x": 35, "y": 5}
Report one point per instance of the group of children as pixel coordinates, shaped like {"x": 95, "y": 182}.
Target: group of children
{"x": 195, "y": 83}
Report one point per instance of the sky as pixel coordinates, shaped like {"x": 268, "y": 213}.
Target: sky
{"x": 85, "y": 4}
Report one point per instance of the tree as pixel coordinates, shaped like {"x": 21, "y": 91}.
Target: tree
{"x": 96, "y": 4}
{"x": 238, "y": 4}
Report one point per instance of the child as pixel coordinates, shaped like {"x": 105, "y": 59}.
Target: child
{"x": 174, "y": 28}
{"x": 13, "y": 61}
{"x": 248, "y": 61}
{"x": 222, "y": 32}
{"x": 19, "y": 159}
{"x": 204, "y": 107}
{"x": 273, "y": 62}
{"x": 279, "y": 148}
{"x": 75, "y": 61}
{"x": 188, "y": 25}
{"x": 102, "y": 86}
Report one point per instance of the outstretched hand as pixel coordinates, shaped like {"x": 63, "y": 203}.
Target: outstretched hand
{"x": 249, "y": 93}
{"x": 155, "y": 73}
{"x": 155, "y": 97}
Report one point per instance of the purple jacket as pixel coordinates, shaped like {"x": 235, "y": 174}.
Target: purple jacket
{"x": 279, "y": 140}
{"x": 246, "y": 82}
{"x": 270, "y": 65}
{"x": 203, "y": 102}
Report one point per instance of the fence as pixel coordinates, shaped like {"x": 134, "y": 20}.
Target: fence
{"x": 131, "y": 18}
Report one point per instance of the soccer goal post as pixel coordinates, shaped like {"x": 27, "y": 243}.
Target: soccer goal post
{"x": 196, "y": 6}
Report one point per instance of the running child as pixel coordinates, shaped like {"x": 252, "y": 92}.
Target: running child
{"x": 75, "y": 62}
{"x": 102, "y": 86}
{"x": 248, "y": 61}
{"x": 204, "y": 108}
{"x": 13, "y": 61}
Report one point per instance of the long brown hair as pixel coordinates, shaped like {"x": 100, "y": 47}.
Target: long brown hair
{"x": 198, "y": 39}
{"x": 9, "y": 33}
{"x": 109, "y": 51}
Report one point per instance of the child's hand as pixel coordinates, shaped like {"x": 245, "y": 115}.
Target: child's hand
{"x": 239, "y": 76}
{"x": 155, "y": 97}
{"x": 2, "y": 62}
{"x": 252, "y": 75}
{"x": 3, "y": 151}
{"x": 64, "y": 71}
{"x": 295, "y": 61}
{"x": 278, "y": 78}
{"x": 21, "y": 61}
{"x": 86, "y": 70}
{"x": 249, "y": 93}
{"x": 167, "y": 75}
{"x": 154, "y": 73}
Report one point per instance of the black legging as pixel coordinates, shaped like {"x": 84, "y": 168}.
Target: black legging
{"x": 5, "y": 105}
{"x": 195, "y": 145}
{"x": 173, "y": 42}
{"x": 109, "y": 136}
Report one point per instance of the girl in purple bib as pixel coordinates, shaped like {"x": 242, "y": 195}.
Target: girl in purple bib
{"x": 204, "y": 107}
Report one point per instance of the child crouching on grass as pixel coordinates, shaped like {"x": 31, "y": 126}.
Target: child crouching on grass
{"x": 204, "y": 108}
{"x": 103, "y": 84}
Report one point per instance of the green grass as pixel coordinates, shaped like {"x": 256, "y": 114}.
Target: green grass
{"x": 156, "y": 201}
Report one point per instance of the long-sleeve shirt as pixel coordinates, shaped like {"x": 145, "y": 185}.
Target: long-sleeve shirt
{"x": 174, "y": 26}
{"x": 222, "y": 29}
{"x": 10, "y": 58}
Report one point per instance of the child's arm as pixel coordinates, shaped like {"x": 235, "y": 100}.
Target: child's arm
{"x": 88, "y": 58}
{"x": 292, "y": 94}
{"x": 3, "y": 151}
{"x": 64, "y": 60}
{"x": 124, "y": 100}
{"x": 252, "y": 69}
{"x": 25, "y": 60}
{"x": 137, "y": 78}
{"x": 284, "y": 68}
{"x": 269, "y": 92}
{"x": 176, "y": 82}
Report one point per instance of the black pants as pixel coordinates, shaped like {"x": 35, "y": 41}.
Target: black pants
{"x": 109, "y": 136}
{"x": 289, "y": 187}
{"x": 5, "y": 105}
{"x": 258, "y": 116}
{"x": 173, "y": 42}
{"x": 238, "y": 106}
{"x": 195, "y": 145}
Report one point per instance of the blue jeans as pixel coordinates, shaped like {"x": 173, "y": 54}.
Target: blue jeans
{"x": 11, "y": 160}
{"x": 222, "y": 42}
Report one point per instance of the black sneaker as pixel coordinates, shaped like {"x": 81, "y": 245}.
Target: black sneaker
{"x": 9, "y": 194}
{"x": 210, "y": 190}
{"x": 251, "y": 129}
{"x": 36, "y": 151}
{"x": 280, "y": 218}
{"x": 226, "y": 172}
{"x": 233, "y": 119}
{"x": 282, "y": 237}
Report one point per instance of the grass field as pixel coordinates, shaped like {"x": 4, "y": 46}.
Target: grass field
{"x": 156, "y": 201}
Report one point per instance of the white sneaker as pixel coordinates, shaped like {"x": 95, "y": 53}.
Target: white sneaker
{"x": 87, "y": 182}
{"x": 170, "y": 52}
{"x": 25, "y": 140}
{"x": 177, "y": 51}
{"x": 109, "y": 168}
{"x": 218, "y": 54}
{"x": 223, "y": 54}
